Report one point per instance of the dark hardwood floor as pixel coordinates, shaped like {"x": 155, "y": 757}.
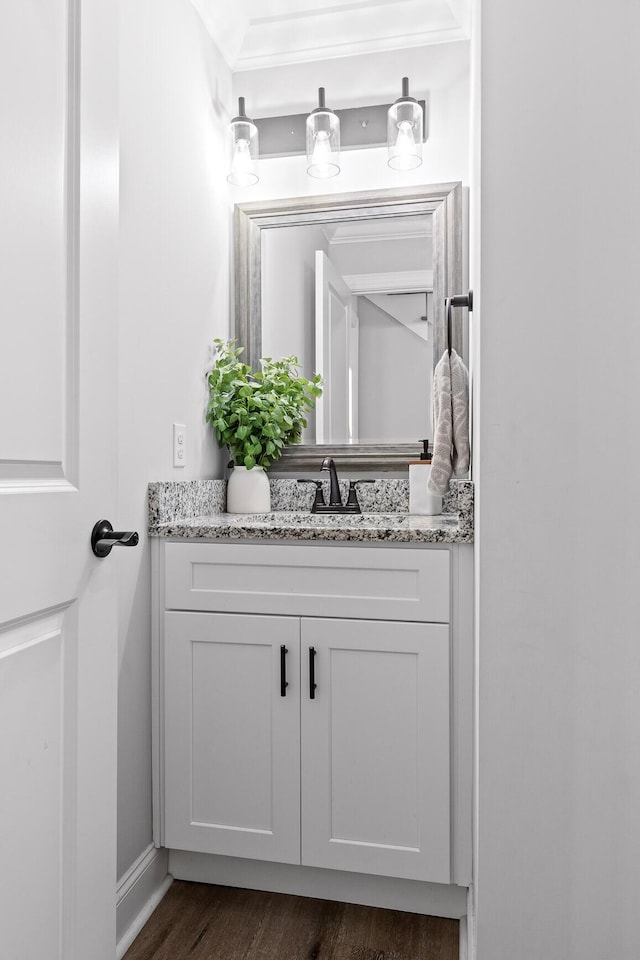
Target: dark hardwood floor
{"x": 197, "y": 921}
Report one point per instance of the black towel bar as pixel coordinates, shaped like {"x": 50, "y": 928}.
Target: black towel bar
{"x": 459, "y": 300}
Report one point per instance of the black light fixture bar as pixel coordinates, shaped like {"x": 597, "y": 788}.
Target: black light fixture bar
{"x": 360, "y": 127}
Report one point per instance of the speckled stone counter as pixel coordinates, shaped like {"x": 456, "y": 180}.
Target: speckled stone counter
{"x": 195, "y": 510}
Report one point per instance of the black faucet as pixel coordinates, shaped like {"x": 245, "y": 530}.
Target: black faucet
{"x": 335, "y": 504}
{"x": 335, "y": 500}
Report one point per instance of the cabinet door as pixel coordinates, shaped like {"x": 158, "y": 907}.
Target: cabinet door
{"x": 375, "y": 748}
{"x": 232, "y": 741}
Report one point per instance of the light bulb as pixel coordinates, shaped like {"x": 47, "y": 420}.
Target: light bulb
{"x": 243, "y": 149}
{"x": 323, "y": 163}
{"x": 321, "y": 153}
{"x": 405, "y": 146}
{"x": 405, "y": 124}
{"x": 323, "y": 141}
{"x": 242, "y": 172}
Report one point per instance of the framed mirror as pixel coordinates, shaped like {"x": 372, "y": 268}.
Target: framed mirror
{"x": 354, "y": 284}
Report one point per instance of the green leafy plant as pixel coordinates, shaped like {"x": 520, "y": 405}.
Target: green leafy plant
{"x": 255, "y": 414}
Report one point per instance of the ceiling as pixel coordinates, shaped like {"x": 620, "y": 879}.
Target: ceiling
{"x": 383, "y": 229}
{"x": 253, "y": 34}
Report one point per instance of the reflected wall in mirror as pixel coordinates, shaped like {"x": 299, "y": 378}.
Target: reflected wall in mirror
{"x": 351, "y": 300}
{"x": 354, "y": 285}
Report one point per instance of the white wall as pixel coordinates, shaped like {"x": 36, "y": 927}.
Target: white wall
{"x": 288, "y": 298}
{"x": 385, "y": 256}
{"x": 559, "y": 466}
{"x": 394, "y": 377}
{"x": 288, "y": 292}
{"x": 174, "y": 299}
{"x": 353, "y": 81}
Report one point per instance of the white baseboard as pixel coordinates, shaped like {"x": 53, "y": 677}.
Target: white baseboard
{"x": 138, "y": 894}
{"x": 434, "y": 899}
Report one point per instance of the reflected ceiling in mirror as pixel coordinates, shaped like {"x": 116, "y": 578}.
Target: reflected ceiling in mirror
{"x": 354, "y": 285}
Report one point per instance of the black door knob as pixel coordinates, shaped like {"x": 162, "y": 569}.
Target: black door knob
{"x": 104, "y": 537}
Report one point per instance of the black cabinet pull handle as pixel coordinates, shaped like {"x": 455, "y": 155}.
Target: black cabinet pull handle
{"x": 312, "y": 673}
{"x": 283, "y": 670}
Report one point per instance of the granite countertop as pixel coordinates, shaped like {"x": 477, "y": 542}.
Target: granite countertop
{"x": 194, "y": 510}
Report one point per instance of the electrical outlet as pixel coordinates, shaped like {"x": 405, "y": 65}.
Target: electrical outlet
{"x": 179, "y": 445}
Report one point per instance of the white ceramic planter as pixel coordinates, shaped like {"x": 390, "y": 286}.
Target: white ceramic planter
{"x": 248, "y": 491}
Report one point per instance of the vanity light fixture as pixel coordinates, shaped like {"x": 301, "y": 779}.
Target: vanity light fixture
{"x": 243, "y": 149}
{"x": 404, "y": 131}
{"x": 323, "y": 141}
{"x": 324, "y": 133}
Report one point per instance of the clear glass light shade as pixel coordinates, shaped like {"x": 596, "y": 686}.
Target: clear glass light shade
{"x": 243, "y": 152}
{"x": 323, "y": 144}
{"x": 405, "y": 126}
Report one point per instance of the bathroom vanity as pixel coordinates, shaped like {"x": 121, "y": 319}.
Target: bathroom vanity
{"x": 312, "y": 697}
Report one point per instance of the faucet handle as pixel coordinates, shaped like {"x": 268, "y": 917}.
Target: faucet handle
{"x": 318, "y": 500}
{"x": 352, "y": 499}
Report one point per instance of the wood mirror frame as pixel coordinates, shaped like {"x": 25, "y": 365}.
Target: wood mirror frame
{"x": 443, "y": 201}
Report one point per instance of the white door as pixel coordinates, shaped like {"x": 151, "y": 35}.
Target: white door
{"x": 232, "y": 735}
{"x": 376, "y": 748}
{"x": 336, "y": 355}
{"x": 58, "y": 313}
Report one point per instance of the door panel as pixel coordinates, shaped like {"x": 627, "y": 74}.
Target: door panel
{"x": 335, "y": 322}
{"x": 376, "y": 749}
{"x": 58, "y": 310}
{"x": 231, "y": 687}
{"x": 35, "y": 672}
{"x": 232, "y": 742}
{"x": 380, "y": 799}
{"x": 33, "y": 252}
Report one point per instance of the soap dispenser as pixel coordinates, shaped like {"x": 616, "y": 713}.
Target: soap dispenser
{"x": 421, "y": 501}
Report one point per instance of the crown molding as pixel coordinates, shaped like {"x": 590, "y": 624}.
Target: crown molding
{"x": 461, "y": 10}
{"x": 379, "y": 231}
{"x": 226, "y": 24}
{"x": 290, "y": 53}
{"x": 398, "y": 281}
{"x": 326, "y": 30}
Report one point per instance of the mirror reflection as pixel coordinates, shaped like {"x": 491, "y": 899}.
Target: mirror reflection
{"x": 354, "y": 300}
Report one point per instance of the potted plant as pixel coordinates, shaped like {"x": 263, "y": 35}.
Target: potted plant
{"x": 255, "y": 414}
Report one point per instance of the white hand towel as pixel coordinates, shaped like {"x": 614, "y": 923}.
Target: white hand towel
{"x": 450, "y": 421}
{"x": 460, "y": 415}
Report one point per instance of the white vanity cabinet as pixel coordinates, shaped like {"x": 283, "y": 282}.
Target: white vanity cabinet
{"x": 365, "y": 771}
{"x": 232, "y": 743}
{"x": 376, "y": 747}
